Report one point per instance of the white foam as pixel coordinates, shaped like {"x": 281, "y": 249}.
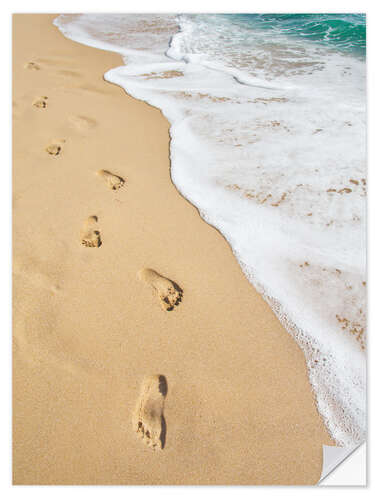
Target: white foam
{"x": 267, "y": 137}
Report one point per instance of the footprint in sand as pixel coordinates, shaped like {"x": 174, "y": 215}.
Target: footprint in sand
{"x": 113, "y": 181}
{"x": 148, "y": 418}
{"x": 69, "y": 73}
{"x": 82, "y": 123}
{"x": 54, "y": 149}
{"x": 90, "y": 235}
{"x": 40, "y": 102}
{"x": 170, "y": 293}
{"x": 32, "y": 65}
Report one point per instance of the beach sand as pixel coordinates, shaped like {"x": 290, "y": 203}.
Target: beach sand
{"x": 234, "y": 404}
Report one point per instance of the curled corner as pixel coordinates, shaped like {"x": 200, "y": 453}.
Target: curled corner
{"x": 333, "y": 456}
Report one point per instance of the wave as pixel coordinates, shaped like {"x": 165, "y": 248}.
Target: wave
{"x": 345, "y": 32}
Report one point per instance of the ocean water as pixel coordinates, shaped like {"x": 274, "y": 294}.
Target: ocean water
{"x": 268, "y": 141}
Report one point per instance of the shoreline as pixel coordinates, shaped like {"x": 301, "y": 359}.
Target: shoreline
{"x": 87, "y": 331}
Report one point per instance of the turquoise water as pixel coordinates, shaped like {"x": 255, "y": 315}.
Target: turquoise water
{"x": 345, "y": 32}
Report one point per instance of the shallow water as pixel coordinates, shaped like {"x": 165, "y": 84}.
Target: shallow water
{"x": 268, "y": 124}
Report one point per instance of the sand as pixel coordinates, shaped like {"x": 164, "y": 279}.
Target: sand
{"x": 94, "y": 205}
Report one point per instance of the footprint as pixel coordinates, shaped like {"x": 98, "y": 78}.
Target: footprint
{"x": 66, "y": 72}
{"x": 90, "y": 235}
{"x": 148, "y": 418}
{"x": 170, "y": 293}
{"x": 54, "y": 149}
{"x": 40, "y": 102}
{"x": 82, "y": 123}
{"x": 32, "y": 65}
{"x": 113, "y": 181}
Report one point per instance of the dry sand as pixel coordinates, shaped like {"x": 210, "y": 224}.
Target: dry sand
{"x": 238, "y": 408}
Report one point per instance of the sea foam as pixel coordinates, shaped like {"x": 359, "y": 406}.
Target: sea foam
{"x": 268, "y": 142}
